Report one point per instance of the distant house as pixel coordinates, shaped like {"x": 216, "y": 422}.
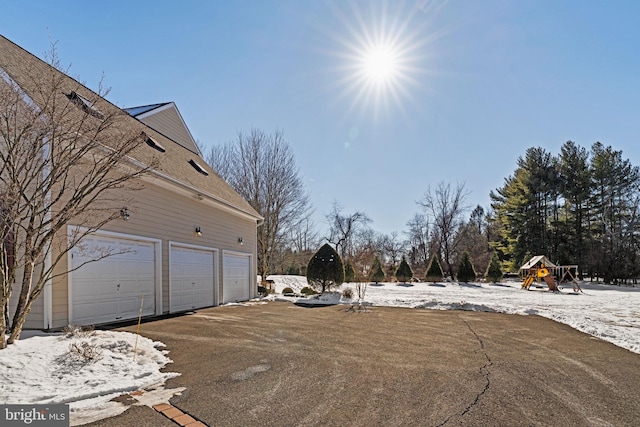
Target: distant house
{"x": 189, "y": 239}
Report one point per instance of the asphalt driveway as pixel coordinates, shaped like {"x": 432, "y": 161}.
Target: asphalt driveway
{"x": 278, "y": 364}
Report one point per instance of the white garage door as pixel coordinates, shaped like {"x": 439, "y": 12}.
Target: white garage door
{"x": 192, "y": 273}
{"x": 236, "y": 278}
{"x": 112, "y": 288}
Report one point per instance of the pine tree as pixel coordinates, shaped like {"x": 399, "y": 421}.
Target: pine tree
{"x": 377, "y": 273}
{"x": 434, "y": 272}
{"x": 466, "y": 272}
{"x": 404, "y": 272}
{"x": 494, "y": 272}
{"x": 349, "y": 272}
{"x": 325, "y": 269}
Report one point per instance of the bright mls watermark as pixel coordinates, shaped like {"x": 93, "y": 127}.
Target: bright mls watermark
{"x": 56, "y": 415}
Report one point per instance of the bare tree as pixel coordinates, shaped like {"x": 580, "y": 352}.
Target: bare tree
{"x": 65, "y": 156}
{"x": 342, "y": 229}
{"x": 418, "y": 237}
{"x": 446, "y": 206}
{"x": 392, "y": 247}
{"x": 262, "y": 169}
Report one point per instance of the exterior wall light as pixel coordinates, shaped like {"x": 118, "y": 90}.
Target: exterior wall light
{"x": 198, "y": 231}
{"x": 124, "y": 214}
{"x": 240, "y": 241}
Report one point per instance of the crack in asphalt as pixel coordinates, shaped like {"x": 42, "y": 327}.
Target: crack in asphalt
{"x": 484, "y": 371}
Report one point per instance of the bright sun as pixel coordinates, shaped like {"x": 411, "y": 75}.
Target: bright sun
{"x": 382, "y": 50}
{"x": 380, "y": 64}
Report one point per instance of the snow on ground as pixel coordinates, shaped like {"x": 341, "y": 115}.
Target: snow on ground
{"x": 611, "y": 313}
{"x": 43, "y": 369}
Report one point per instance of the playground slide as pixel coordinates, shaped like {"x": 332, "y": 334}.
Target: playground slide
{"x": 551, "y": 282}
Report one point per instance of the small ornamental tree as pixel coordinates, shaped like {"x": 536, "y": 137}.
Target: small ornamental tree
{"x": 466, "y": 272}
{"x": 377, "y": 273}
{"x": 404, "y": 272}
{"x": 325, "y": 269}
{"x": 349, "y": 272}
{"x": 434, "y": 272}
{"x": 494, "y": 271}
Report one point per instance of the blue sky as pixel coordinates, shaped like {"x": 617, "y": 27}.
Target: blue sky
{"x": 474, "y": 83}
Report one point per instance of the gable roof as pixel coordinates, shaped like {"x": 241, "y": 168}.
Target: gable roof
{"x": 175, "y": 162}
{"x": 535, "y": 260}
{"x": 166, "y": 119}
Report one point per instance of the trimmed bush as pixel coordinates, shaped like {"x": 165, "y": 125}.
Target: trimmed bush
{"x": 325, "y": 269}
{"x": 404, "y": 272}
{"x": 434, "y": 272}
{"x": 377, "y": 273}
{"x": 287, "y": 291}
{"x": 466, "y": 272}
{"x": 494, "y": 271}
{"x": 347, "y": 293}
{"x": 349, "y": 272}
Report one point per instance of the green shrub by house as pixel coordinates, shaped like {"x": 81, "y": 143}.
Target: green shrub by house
{"x": 325, "y": 269}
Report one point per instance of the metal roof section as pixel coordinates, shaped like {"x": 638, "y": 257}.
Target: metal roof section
{"x": 136, "y": 111}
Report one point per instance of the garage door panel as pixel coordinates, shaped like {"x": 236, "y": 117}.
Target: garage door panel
{"x": 236, "y": 277}
{"x": 192, "y": 278}
{"x": 113, "y": 287}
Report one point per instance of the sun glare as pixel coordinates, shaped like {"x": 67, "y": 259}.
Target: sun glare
{"x": 380, "y": 64}
{"x": 382, "y": 51}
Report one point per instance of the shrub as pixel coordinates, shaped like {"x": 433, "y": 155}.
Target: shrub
{"x": 287, "y": 290}
{"x": 307, "y": 291}
{"x": 349, "y": 272}
{"x": 404, "y": 272}
{"x": 494, "y": 271}
{"x": 434, "y": 272}
{"x": 466, "y": 272}
{"x": 325, "y": 269}
{"x": 84, "y": 352}
{"x": 347, "y": 293}
{"x": 377, "y": 273}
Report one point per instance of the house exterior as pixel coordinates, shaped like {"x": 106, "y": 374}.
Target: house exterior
{"x": 185, "y": 238}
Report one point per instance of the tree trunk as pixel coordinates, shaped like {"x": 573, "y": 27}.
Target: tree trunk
{"x": 3, "y": 325}
{"x": 24, "y": 303}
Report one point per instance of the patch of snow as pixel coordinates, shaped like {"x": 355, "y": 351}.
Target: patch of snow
{"x": 43, "y": 369}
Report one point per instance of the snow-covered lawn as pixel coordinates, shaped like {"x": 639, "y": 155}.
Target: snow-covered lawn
{"x": 42, "y": 369}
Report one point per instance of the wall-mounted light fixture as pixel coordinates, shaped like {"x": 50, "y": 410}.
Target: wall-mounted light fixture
{"x": 198, "y": 231}
{"x": 124, "y": 214}
{"x": 240, "y": 241}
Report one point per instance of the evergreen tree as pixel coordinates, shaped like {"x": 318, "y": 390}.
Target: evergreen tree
{"x": 434, "y": 272}
{"x": 377, "y": 273}
{"x": 494, "y": 272}
{"x": 349, "y": 272}
{"x": 466, "y": 272}
{"x": 325, "y": 269}
{"x": 404, "y": 272}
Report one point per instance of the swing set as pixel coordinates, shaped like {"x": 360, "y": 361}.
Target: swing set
{"x": 539, "y": 267}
